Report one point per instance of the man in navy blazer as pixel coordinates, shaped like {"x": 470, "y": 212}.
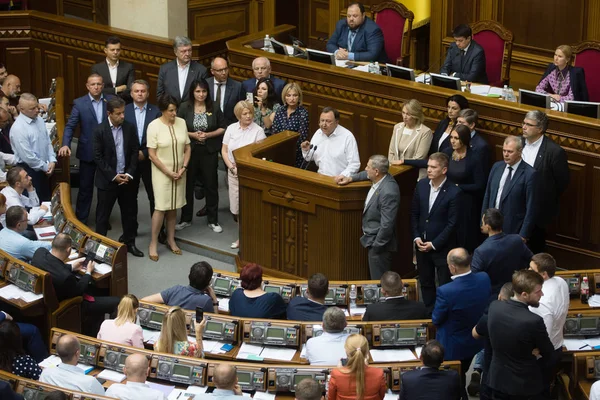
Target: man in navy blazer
{"x": 261, "y": 66}
{"x": 458, "y": 307}
{"x": 140, "y": 113}
{"x": 434, "y": 218}
{"x": 465, "y": 58}
{"x": 429, "y": 382}
{"x": 357, "y": 38}
{"x": 88, "y": 111}
{"x": 513, "y": 189}
{"x": 231, "y": 90}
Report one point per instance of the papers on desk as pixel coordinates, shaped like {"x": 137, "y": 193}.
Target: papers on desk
{"x": 113, "y": 376}
{"x": 151, "y": 336}
{"x": 53, "y": 361}
{"x": 422, "y": 78}
{"x": 303, "y": 352}
{"x": 213, "y": 346}
{"x": 181, "y": 394}
{"x": 224, "y": 304}
{"x": 581, "y": 344}
{"x": 481, "y": 90}
{"x": 103, "y": 268}
{"x": 264, "y": 396}
{"x": 45, "y": 233}
{"x": 258, "y": 353}
{"x": 418, "y": 351}
{"x": 166, "y": 389}
{"x": 250, "y": 352}
{"x": 358, "y": 310}
{"x": 594, "y": 301}
{"x": 341, "y": 63}
{"x": 363, "y": 68}
{"x": 11, "y": 291}
{"x": 392, "y": 355}
{"x": 74, "y": 254}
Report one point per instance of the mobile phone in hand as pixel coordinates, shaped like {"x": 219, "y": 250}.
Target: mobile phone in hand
{"x": 199, "y": 314}
{"x": 344, "y": 361}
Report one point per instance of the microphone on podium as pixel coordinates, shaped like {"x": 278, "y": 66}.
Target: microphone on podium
{"x": 314, "y": 150}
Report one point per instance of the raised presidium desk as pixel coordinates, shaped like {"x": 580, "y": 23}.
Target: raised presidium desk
{"x": 295, "y": 223}
{"x": 370, "y": 105}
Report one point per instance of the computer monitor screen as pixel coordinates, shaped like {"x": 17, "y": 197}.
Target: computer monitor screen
{"x": 279, "y": 47}
{"x": 400, "y": 72}
{"x": 448, "y": 82}
{"x": 534, "y": 99}
{"x": 584, "y": 108}
{"x": 321, "y": 56}
{"x": 272, "y": 289}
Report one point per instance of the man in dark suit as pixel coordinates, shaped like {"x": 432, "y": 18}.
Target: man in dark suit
{"x": 512, "y": 188}
{"x": 550, "y": 161}
{"x": 514, "y": 334}
{"x": 394, "y": 306}
{"x": 88, "y": 112}
{"x": 434, "y": 216}
{"x": 116, "y": 148}
{"x": 231, "y": 91}
{"x": 465, "y": 58}
{"x": 357, "y": 38}
{"x": 478, "y": 145}
{"x": 69, "y": 283}
{"x": 140, "y": 113}
{"x": 501, "y": 254}
{"x": 5, "y": 124}
{"x": 429, "y": 382}
{"x": 261, "y": 66}
{"x": 176, "y": 76}
{"x": 379, "y": 214}
{"x": 458, "y": 307}
{"x": 312, "y": 307}
{"x": 116, "y": 74}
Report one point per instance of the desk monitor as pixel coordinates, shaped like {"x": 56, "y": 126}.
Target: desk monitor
{"x": 400, "y": 72}
{"x": 448, "y": 82}
{"x": 585, "y": 108}
{"x": 321, "y": 56}
{"x": 534, "y": 99}
{"x": 279, "y": 47}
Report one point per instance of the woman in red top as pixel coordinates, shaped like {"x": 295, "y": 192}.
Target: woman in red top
{"x": 357, "y": 380}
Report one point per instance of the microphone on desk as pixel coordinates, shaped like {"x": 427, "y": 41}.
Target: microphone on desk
{"x": 310, "y": 158}
{"x": 307, "y": 155}
{"x": 431, "y": 68}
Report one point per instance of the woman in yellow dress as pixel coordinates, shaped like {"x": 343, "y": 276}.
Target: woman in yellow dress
{"x": 169, "y": 151}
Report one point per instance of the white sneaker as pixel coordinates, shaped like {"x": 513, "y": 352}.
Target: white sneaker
{"x": 216, "y": 228}
{"x": 182, "y": 225}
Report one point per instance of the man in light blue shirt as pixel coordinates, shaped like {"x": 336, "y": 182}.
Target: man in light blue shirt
{"x": 11, "y": 239}
{"x": 226, "y": 381}
{"x": 328, "y": 348}
{"x": 32, "y": 146}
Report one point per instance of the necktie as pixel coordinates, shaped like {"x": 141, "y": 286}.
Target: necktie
{"x": 219, "y": 90}
{"x": 507, "y": 182}
{"x": 351, "y": 40}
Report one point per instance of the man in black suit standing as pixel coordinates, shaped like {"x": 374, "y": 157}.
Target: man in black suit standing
{"x": 394, "y": 306}
{"x": 117, "y": 75}
{"x": 176, "y": 76}
{"x": 116, "y": 147}
{"x": 465, "y": 58}
{"x": 550, "y": 161}
{"x": 434, "y": 218}
{"x": 514, "y": 334}
{"x": 226, "y": 92}
{"x": 429, "y": 382}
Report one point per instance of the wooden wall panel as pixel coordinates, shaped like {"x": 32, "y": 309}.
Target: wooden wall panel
{"x": 20, "y": 59}
{"x": 570, "y": 222}
{"x": 318, "y": 23}
{"x": 54, "y": 65}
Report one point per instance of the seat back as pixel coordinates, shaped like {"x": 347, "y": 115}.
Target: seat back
{"x": 496, "y": 41}
{"x": 587, "y": 56}
{"x": 392, "y": 18}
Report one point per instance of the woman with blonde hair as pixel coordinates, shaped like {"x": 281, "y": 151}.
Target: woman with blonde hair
{"x": 173, "y": 335}
{"x": 562, "y": 81}
{"x": 292, "y": 116}
{"x": 123, "y": 329}
{"x": 411, "y": 139}
{"x": 356, "y": 380}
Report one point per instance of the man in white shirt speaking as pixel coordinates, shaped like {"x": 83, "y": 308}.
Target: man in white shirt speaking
{"x": 554, "y": 306}
{"x": 334, "y": 147}
{"x": 136, "y": 369}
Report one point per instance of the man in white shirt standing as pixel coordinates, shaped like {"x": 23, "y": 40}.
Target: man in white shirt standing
{"x": 328, "y": 348}
{"x": 554, "y": 306}
{"x": 68, "y": 375}
{"x": 136, "y": 369}
{"x": 19, "y": 181}
{"x": 334, "y": 147}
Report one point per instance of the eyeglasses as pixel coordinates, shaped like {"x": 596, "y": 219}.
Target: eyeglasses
{"x": 529, "y": 125}
{"x": 220, "y": 71}
{"x": 260, "y": 68}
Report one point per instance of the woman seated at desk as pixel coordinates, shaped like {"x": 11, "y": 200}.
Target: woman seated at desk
{"x": 250, "y": 301}
{"x": 562, "y": 81}
{"x": 13, "y": 358}
{"x": 123, "y": 329}
{"x": 173, "y": 337}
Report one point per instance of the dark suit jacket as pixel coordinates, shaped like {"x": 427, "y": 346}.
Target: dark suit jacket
{"x": 368, "y": 44}
{"x": 215, "y": 121}
{"x": 105, "y": 154}
{"x": 234, "y": 92}
{"x": 152, "y": 112}
{"x": 249, "y": 84}
{"x": 396, "y": 309}
{"x": 6, "y": 392}
{"x": 481, "y": 147}
{"x": 433, "y": 147}
{"x": 518, "y": 202}
{"x": 499, "y": 256}
{"x": 438, "y": 225}
{"x": 553, "y": 178}
{"x": 66, "y": 283}
{"x": 430, "y": 384}
{"x": 125, "y": 76}
{"x": 168, "y": 79}
{"x": 470, "y": 67}
{"x": 514, "y": 332}
{"x": 577, "y": 81}
{"x": 83, "y": 114}
{"x": 458, "y": 306}
{"x": 5, "y": 146}
{"x": 302, "y": 309}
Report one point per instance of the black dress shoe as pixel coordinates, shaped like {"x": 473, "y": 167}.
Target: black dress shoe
{"x": 201, "y": 212}
{"x": 109, "y": 227}
{"x": 121, "y": 239}
{"x": 134, "y": 250}
{"x": 162, "y": 237}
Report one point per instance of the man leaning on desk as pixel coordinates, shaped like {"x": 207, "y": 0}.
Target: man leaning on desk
{"x": 465, "y": 58}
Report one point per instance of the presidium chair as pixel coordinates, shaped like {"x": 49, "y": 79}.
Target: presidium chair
{"x": 392, "y": 18}
{"x": 497, "y": 43}
{"x": 587, "y": 56}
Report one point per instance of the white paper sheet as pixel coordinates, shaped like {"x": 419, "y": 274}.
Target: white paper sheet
{"x": 103, "y": 268}
{"x": 422, "y": 78}
{"x": 303, "y": 352}
{"x": 481, "y": 90}
{"x": 495, "y": 90}
{"x": 50, "y": 231}
{"x": 363, "y": 68}
{"x": 224, "y": 304}
{"x": 213, "y": 346}
{"x": 289, "y": 49}
{"x": 392, "y": 355}
{"x": 181, "y": 394}
{"x": 358, "y": 310}
{"x": 264, "y": 396}
{"x": 196, "y": 389}
{"x": 50, "y": 362}
{"x": 577, "y": 344}
{"x": 341, "y": 63}
{"x": 278, "y": 353}
{"x": 166, "y": 389}
{"x": 11, "y": 291}
{"x": 110, "y": 375}
{"x": 74, "y": 254}
{"x": 250, "y": 352}
{"x": 594, "y": 301}
{"x": 418, "y": 351}
{"x": 150, "y": 336}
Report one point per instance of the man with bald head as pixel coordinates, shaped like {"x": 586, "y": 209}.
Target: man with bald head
{"x": 11, "y": 87}
{"x": 68, "y": 375}
{"x": 226, "y": 381}
{"x": 231, "y": 91}
{"x": 261, "y": 67}
{"x": 32, "y": 146}
{"x": 136, "y": 369}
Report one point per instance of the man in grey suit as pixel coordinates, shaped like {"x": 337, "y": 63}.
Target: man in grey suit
{"x": 176, "y": 76}
{"x": 230, "y": 91}
{"x": 226, "y": 381}
{"x": 379, "y": 214}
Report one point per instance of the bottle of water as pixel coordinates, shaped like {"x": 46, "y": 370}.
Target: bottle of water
{"x": 585, "y": 290}
{"x": 511, "y": 94}
{"x": 505, "y": 92}
{"x": 376, "y": 68}
{"x": 267, "y": 43}
{"x": 352, "y": 296}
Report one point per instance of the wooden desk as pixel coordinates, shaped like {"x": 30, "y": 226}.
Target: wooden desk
{"x": 584, "y": 387}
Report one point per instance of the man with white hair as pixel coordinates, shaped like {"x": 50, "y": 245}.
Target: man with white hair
{"x": 261, "y": 67}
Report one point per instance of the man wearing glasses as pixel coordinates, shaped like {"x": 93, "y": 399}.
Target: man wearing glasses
{"x": 225, "y": 91}
{"x": 12, "y": 240}
{"x": 261, "y": 67}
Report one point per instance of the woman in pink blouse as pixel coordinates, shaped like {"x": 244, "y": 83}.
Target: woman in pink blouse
{"x": 239, "y": 134}
{"x": 562, "y": 81}
{"x": 123, "y": 329}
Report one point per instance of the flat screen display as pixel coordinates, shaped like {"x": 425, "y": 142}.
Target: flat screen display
{"x": 22, "y": 277}
{"x": 181, "y": 370}
{"x": 276, "y": 333}
{"x": 330, "y": 294}
{"x": 156, "y": 317}
{"x": 222, "y": 283}
{"x": 299, "y": 378}
{"x": 244, "y": 378}
{"x": 272, "y": 289}
{"x": 405, "y": 333}
{"x": 587, "y": 323}
{"x": 216, "y": 327}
